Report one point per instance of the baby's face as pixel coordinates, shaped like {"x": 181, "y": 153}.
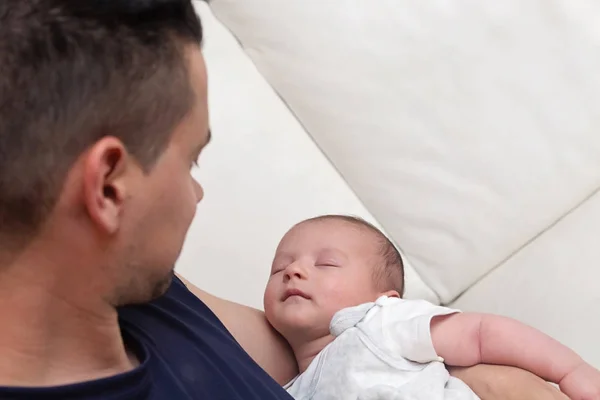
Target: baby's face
{"x": 319, "y": 268}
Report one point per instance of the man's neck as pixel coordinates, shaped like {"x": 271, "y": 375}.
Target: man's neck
{"x": 305, "y": 350}
{"x": 52, "y": 334}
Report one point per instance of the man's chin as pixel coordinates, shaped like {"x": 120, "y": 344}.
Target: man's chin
{"x": 144, "y": 291}
{"x": 162, "y": 286}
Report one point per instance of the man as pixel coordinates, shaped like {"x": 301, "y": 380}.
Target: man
{"x": 103, "y": 111}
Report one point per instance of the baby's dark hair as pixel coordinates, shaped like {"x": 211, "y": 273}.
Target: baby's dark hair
{"x": 389, "y": 275}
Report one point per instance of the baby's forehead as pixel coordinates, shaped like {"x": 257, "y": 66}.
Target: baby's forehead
{"x": 330, "y": 233}
{"x": 330, "y": 227}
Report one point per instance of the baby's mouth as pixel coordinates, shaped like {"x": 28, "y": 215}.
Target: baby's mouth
{"x": 294, "y": 292}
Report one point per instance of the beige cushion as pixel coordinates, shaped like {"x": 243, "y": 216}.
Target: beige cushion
{"x": 552, "y": 283}
{"x": 465, "y": 127}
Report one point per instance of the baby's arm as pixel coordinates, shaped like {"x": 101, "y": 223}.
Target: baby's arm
{"x": 466, "y": 339}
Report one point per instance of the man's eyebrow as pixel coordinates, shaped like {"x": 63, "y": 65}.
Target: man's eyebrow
{"x": 208, "y": 137}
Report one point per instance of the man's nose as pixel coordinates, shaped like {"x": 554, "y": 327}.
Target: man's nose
{"x": 198, "y": 191}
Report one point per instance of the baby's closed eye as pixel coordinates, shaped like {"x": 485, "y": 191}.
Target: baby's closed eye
{"x": 327, "y": 263}
{"x": 277, "y": 270}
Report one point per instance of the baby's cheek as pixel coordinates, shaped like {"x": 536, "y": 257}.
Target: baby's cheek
{"x": 353, "y": 295}
{"x": 340, "y": 297}
{"x": 269, "y": 297}
{"x": 269, "y": 307}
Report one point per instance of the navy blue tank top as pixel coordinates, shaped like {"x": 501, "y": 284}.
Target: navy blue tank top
{"x": 185, "y": 352}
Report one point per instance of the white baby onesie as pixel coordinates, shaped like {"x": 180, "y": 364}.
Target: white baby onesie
{"x": 382, "y": 351}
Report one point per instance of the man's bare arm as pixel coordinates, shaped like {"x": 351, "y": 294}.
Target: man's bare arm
{"x": 252, "y": 330}
{"x": 497, "y": 382}
{"x": 254, "y": 333}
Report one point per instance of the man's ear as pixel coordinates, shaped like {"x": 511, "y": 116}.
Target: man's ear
{"x": 106, "y": 168}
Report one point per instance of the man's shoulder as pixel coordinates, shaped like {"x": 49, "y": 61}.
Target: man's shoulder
{"x": 186, "y": 339}
{"x": 253, "y": 332}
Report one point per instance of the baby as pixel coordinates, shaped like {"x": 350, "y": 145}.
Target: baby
{"x": 335, "y": 294}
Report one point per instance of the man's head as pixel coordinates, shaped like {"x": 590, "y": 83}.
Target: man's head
{"x": 325, "y": 264}
{"x": 102, "y": 113}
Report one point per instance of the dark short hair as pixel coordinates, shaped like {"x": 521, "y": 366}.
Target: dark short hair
{"x": 389, "y": 273}
{"x": 74, "y": 71}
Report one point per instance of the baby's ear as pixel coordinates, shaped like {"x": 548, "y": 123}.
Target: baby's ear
{"x": 391, "y": 293}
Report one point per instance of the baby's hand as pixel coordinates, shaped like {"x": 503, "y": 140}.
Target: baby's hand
{"x": 583, "y": 383}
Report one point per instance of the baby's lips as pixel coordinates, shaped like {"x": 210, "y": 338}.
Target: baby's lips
{"x": 294, "y": 292}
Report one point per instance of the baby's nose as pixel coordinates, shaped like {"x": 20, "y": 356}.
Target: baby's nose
{"x": 295, "y": 270}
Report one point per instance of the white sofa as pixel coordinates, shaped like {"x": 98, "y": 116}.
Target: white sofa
{"x": 468, "y": 130}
